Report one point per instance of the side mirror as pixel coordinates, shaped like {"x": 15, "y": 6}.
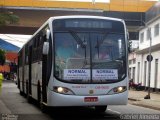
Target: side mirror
{"x": 78, "y": 46}
{"x": 45, "y": 48}
{"x": 48, "y": 32}
{"x": 129, "y": 46}
{"x": 127, "y": 35}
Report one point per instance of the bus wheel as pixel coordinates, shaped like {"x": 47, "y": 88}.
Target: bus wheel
{"x": 26, "y": 89}
{"x": 43, "y": 107}
{"x": 38, "y": 94}
{"x": 29, "y": 98}
{"x": 100, "y": 109}
{"x": 21, "y": 93}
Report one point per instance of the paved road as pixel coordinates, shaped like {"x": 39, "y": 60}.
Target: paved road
{"x": 12, "y": 103}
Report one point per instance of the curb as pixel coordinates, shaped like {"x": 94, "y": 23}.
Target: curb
{"x": 133, "y": 102}
{"x": 133, "y": 99}
{"x": 146, "y": 106}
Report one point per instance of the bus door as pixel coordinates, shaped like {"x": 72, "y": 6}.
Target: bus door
{"x": 30, "y": 70}
{"x": 23, "y": 64}
{"x": 44, "y": 75}
{"x": 46, "y": 68}
{"x": 18, "y": 78}
{"x": 44, "y": 78}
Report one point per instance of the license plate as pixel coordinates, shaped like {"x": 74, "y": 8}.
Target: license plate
{"x": 90, "y": 99}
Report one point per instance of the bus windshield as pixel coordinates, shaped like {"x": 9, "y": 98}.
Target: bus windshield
{"x": 89, "y": 57}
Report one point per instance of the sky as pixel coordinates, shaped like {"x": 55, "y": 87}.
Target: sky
{"x": 18, "y": 40}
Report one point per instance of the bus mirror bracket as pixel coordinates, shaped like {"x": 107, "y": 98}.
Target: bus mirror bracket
{"x": 48, "y": 34}
{"x": 45, "y": 48}
{"x": 127, "y": 35}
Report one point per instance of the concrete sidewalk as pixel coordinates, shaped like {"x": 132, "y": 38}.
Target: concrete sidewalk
{"x": 137, "y": 98}
{"x": 3, "y": 107}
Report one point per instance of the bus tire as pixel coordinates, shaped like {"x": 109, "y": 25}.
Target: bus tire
{"x": 21, "y": 93}
{"x": 43, "y": 107}
{"x": 100, "y": 109}
{"x": 29, "y": 98}
{"x": 26, "y": 94}
{"x": 38, "y": 94}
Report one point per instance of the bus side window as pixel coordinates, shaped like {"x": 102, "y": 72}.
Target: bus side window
{"x": 44, "y": 38}
{"x": 41, "y": 40}
{"x": 38, "y": 40}
{"x": 26, "y": 54}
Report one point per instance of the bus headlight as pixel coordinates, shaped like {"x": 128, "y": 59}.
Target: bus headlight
{"x": 62, "y": 90}
{"x": 117, "y": 90}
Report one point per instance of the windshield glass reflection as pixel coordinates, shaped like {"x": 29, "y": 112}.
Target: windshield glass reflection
{"x": 89, "y": 57}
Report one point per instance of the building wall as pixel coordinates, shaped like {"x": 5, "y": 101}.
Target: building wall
{"x": 142, "y": 72}
{"x": 138, "y": 68}
{"x": 155, "y": 40}
{"x": 10, "y": 57}
{"x": 4, "y": 68}
{"x": 132, "y": 65}
{"x": 141, "y": 58}
{"x": 153, "y": 12}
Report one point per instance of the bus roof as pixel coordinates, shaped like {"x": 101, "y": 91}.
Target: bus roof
{"x": 84, "y": 16}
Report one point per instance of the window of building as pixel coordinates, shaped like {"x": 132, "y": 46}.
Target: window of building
{"x": 156, "y": 73}
{"x": 134, "y": 61}
{"x": 138, "y": 73}
{"x": 156, "y": 30}
{"x": 133, "y": 73}
{"x": 129, "y": 75}
{"x": 141, "y": 37}
{"x": 130, "y": 62}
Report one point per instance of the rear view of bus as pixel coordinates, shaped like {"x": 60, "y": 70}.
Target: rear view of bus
{"x": 89, "y": 62}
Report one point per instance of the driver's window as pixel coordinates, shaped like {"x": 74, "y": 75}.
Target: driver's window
{"x": 64, "y": 46}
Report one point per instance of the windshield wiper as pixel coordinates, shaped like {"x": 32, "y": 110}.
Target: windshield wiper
{"x": 77, "y": 38}
{"x": 98, "y": 43}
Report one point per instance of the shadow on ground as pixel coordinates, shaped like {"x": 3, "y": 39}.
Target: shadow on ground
{"x": 79, "y": 113}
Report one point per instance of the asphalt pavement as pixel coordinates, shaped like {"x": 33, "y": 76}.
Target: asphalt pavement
{"x": 13, "y": 104}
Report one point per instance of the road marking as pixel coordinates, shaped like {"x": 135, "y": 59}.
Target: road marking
{"x": 114, "y": 111}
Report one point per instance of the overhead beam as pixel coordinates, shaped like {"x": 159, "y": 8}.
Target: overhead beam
{"x": 17, "y": 30}
{"x": 30, "y": 20}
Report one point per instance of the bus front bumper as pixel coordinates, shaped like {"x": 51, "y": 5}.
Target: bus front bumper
{"x": 56, "y": 99}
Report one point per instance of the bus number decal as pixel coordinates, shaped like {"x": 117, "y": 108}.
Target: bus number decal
{"x": 79, "y": 86}
{"x": 102, "y": 87}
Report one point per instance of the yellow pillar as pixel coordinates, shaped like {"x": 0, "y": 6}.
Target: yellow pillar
{"x": 1, "y": 80}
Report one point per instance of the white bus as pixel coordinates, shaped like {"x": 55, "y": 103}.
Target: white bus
{"x": 56, "y": 76}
